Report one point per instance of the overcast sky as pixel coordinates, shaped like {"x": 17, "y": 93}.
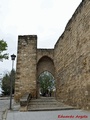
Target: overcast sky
{"x": 45, "y": 18}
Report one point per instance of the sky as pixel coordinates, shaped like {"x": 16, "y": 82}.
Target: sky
{"x": 45, "y": 18}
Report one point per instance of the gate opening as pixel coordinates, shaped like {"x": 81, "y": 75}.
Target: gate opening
{"x": 46, "y": 84}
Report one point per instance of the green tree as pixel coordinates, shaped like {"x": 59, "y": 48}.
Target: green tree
{"x": 3, "y": 47}
{"x": 6, "y": 82}
{"x": 47, "y": 83}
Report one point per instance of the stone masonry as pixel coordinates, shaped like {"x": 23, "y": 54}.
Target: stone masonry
{"x": 69, "y": 61}
{"x": 31, "y": 62}
{"x": 72, "y": 59}
{"x": 26, "y": 66}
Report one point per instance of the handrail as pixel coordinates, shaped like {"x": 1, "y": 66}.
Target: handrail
{"x": 24, "y": 101}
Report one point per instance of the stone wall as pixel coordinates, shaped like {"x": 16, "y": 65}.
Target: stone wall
{"x": 31, "y": 62}
{"x": 45, "y": 64}
{"x": 72, "y": 59}
{"x": 26, "y": 66}
{"x": 45, "y": 52}
{"x": 69, "y": 61}
{"x": 45, "y": 61}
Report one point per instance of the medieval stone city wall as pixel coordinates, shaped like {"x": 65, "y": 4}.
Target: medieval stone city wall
{"x": 45, "y": 61}
{"x": 45, "y": 52}
{"x": 72, "y": 59}
{"x": 31, "y": 62}
{"x": 26, "y": 66}
{"x": 69, "y": 61}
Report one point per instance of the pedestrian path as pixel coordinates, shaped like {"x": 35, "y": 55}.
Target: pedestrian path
{"x": 38, "y": 111}
{"x": 4, "y": 104}
{"x": 49, "y": 115}
{"x": 62, "y": 114}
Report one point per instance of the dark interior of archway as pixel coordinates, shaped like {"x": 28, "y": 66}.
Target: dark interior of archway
{"x": 46, "y": 84}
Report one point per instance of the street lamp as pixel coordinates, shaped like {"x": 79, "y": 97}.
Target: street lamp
{"x": 12, "y": 58}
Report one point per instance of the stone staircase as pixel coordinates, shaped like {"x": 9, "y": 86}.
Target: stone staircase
{"x": 47, "y": 103}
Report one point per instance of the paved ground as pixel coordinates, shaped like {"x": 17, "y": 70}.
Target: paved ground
{"x": 4, "y": 104}
{"x": 49, "y": 115}
{"x": 40, "y": 115}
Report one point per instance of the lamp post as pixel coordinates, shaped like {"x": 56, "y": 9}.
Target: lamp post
{"x": 12, "y": 58}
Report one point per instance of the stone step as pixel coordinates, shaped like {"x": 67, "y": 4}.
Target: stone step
{"x": 39, "y": 101}
{"x": 46, "y": 103}
{"x": 30, "y": 107}
{"x": 50, "y": 109}
{"x": 42, "y": 104}
{"x": 44, "y": 99}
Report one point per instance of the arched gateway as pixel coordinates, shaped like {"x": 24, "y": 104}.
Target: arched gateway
{"x": 45, "y": 63}
{"x": 31, "y": 62}
{"x": 69, "y": 61}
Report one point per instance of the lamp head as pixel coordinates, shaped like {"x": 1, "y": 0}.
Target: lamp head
{"x": 13, "y": 57}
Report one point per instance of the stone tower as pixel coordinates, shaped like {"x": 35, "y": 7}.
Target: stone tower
{"x": 69, "y": 61}
{"x": 26, "y": 66}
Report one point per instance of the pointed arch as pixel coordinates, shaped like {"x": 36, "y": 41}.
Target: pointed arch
{"x": 45, "y": 64}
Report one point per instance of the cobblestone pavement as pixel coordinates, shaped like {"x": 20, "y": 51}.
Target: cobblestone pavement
{"x": 49, "y": 115}
{"x": 4, "y": 105}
